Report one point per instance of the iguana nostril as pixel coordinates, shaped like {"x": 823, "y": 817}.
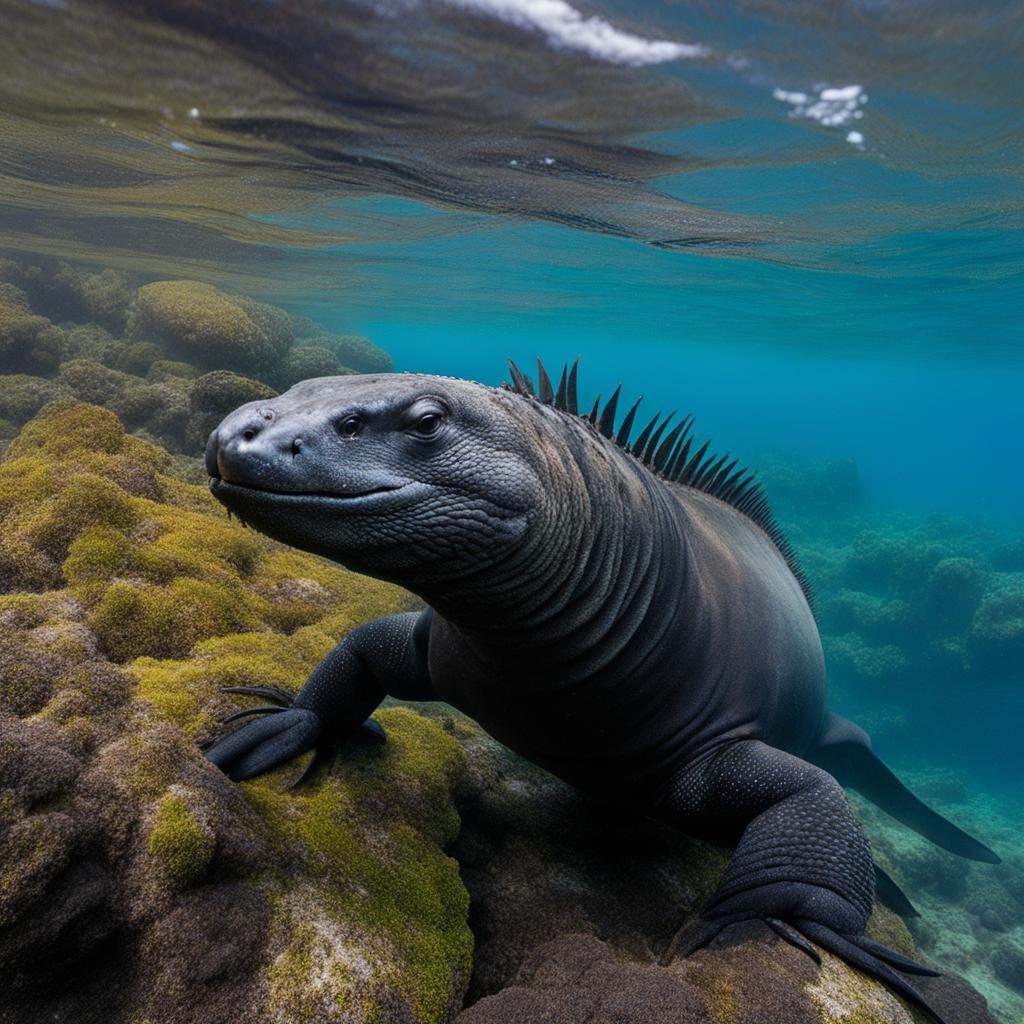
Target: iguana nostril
{"x": 296, "y": 446}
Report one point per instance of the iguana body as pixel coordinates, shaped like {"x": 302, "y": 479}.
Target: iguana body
{"x": 623, "y": 613}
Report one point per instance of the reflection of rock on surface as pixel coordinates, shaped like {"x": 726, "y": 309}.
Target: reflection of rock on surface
{"x": 573, "y": 903}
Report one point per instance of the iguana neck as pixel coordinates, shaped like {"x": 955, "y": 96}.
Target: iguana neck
{"x": 587, "y": 575}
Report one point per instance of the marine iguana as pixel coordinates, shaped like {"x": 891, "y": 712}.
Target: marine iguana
{"x": 624, "y": 613}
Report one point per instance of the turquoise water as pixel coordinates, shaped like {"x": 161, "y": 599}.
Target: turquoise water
{"x": 801, "y": 223}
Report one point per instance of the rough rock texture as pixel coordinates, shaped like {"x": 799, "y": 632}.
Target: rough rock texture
{"x": 573, "y": 905}
{"x": 211, "y": 329}
{"x": 143, "y": 351}
{"x": 136, "y": 881}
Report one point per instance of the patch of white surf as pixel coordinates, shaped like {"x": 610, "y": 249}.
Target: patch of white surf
{"x": 831, "y": 106}
{"x": 567, "y": 28}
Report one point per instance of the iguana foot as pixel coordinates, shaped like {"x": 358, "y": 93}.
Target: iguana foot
{"x": 285, "y": 733}
{"x": 797, "y": 913}
{"x": 802, "y": 864}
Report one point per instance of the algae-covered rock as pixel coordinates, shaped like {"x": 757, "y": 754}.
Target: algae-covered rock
{"x": 138, "y": 883}
{"x": 22, "y": 396}
{"x": 354, "y": 351}
{"x": 29, "y": 343}
{"x": 575, "y": 906}
{"x": 997, "y": 630}
{"x": 161, "y": 408}
{"x": 358, "y": 353}
{"x": 205, "y": 326}
{"x": 306, "y": 361}
{"x": 216, "y": 394}
{"x": 65, "y": 292}
{"x": 171, "y": 369}
{"x": 90, "y": 381}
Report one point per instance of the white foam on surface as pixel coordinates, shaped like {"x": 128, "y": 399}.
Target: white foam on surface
{"x": 831, "y": 106}
{"x": 566, "y": 28}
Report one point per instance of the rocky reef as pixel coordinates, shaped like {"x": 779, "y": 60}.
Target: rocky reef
{"x": 136, "y": 881}
{"x": 171, "y": 358}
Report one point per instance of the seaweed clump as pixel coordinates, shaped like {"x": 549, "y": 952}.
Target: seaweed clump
{"x": 136, "y": 880}
{"x": 211, "y": 329}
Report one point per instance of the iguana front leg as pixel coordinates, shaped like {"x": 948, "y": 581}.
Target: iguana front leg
{"x": 384, "y": 657}
{"x": 803, "y": 863}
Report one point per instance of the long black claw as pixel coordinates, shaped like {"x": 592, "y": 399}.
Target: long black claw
{"x": 871, "y": 965}
{"x": 686, "y": 941}
{"x": 894, "y": 959}
{"x": 278, "y": 694}
{"x": 268, "y": 709}
{"x": 793, "y": 937}
{"x": 323, "y": 759}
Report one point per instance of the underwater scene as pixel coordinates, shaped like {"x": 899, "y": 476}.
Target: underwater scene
{"x": 568, "y": 756}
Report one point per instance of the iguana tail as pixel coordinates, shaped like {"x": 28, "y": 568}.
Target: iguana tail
{"x": 844, "y": 751}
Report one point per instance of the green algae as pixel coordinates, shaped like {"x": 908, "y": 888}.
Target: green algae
{"x": 842, "y": 995}
{"x": 389, "y": 881}
{"x": 179, "y": 840}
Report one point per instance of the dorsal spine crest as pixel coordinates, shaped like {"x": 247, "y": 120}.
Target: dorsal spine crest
{"x": 713, "y": 474}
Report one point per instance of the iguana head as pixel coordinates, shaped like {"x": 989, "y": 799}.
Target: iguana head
{"x": 402, "y": 476}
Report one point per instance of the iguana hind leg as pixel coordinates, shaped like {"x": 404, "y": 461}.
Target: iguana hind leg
{"x": 802, "y": 864}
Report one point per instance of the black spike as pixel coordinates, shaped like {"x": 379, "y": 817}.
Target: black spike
{"x": 560, "y": 396}
{"x": 691, "y": 466}
{"x": 571, "y": 403}
{"x": 733, "y": 487}
{"x": 715, "y": 486}
{"x": 523, "y": 385}
{"x": 655, "y": 437}
{"x": 638, "y": 448}
{"x": 667, "y": 445}
{"x": 546, "y": 394}
{"x": 682, "y": 431}
{"x": 593, "y": 412}
{"x": 679, "y": 459}
{"x": 708, "y": 470}
{"x": 622, "y": 437}
{"x": 607, "y": 424}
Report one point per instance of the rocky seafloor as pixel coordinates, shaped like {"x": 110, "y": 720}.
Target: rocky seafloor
{"x": 433, "y": 878}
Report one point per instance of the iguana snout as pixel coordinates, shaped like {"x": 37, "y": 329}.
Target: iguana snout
{"x": 387, "y": 474}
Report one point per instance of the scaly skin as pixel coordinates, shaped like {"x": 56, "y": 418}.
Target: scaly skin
{"x": 642, "y": 639}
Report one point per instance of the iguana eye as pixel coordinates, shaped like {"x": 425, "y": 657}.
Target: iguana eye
{"x": 350, "y": 426}
{"x": 429, "y": 424}
{"x": 425, "y": 419}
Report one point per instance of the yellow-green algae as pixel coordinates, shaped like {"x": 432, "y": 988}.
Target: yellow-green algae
{"x": 373, "y": 833}
{"x": 845, "y": 996}
{"x": 178, "y": 839}
{"x": 139, "y": 567}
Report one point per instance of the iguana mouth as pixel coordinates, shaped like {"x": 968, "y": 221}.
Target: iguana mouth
{"x": 218, "y": 484}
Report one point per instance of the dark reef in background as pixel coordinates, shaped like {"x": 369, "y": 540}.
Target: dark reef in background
{"x": 171, "y": 358}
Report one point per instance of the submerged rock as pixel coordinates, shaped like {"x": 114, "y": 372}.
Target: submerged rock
{"x": 210, "y": 328}
{"x": 136, "y": 881}
{"x": 574, "y": 905}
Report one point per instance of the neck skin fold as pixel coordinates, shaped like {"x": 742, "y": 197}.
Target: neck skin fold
{"x": 600, "y": 552}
